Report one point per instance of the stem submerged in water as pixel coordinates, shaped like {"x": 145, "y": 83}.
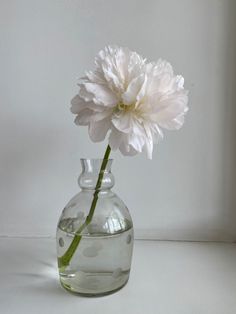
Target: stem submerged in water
{"x": 64, "y": 260}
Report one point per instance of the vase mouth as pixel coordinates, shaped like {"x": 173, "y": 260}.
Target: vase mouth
{"x": 95, "y": 168}
{"x": 94, "y": 165}
{"x": 95, "y": 159}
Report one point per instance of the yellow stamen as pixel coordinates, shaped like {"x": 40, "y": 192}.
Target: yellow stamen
{"x": 124, "y": 107}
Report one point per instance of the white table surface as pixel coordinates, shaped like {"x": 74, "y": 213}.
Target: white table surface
{"x": 166, "y": 278}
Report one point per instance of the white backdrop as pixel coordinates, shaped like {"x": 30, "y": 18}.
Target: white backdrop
{"x": 188, "y": 190}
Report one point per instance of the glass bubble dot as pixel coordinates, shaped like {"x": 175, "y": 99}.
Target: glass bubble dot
{"x": 128, "y": 239}
{"x": 61, "y": 242}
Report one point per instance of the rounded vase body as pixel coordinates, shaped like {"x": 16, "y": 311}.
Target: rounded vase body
{"x": 95, "y": 235}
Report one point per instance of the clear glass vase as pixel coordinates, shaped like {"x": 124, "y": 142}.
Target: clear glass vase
{"x": 95, "y": 242}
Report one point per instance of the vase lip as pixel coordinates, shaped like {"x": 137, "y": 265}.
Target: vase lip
{"x": 95, "y": 159}
{"x": 91, "y": 169}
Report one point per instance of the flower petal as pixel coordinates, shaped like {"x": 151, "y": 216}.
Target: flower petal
{"x": 115, "y": 139}
{"x": 127, "y": 150}
{"x": 84, "y": 117}
{"x": 149, "y": 140}
{"x": 174, "y": 124}
{"x": 102, "y": 95}
{"x": 77, "y": 104}
{"x": 98, "y": 130}
{"x": 97, "y": 116}
{"x": 95, "y": 76}
{"x": 129, "y": 97}
{"x": 170, "y": 107}
{"x": 137, "y": 142}
{"x": 122, "y": 121}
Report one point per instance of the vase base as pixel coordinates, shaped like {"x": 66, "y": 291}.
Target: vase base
{"x": 94, "y": 291}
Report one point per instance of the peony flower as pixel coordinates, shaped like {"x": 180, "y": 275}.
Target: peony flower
{"x": 130, "y": 99}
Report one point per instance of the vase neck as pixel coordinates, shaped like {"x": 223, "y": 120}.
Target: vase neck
{"x": 90, "y": 172}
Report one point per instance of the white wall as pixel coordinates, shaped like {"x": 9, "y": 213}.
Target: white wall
{"x": 188, "y": 190}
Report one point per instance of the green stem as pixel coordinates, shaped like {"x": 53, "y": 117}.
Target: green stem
{"x": 64, "y": 260}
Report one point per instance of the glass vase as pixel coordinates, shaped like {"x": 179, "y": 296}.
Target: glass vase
{"x": 95, "y": 235}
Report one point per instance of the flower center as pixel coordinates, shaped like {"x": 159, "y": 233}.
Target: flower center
{"x": 126, "y": 108}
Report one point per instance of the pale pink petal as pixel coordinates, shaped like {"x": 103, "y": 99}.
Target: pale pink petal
{"x": 115, "y": 139}
{"x": 84, "y": 94}
{"x": 149, "y": 148}
{"x": 95, "y": 77}
{"x": 170, "y": 107}
{"x": 137, "y": 142}
{"x": 149, "y": 140}
{"x": 142, "y": 91}
{"x": 123, "y": 121}
{"x": 157, "y": 133}
{"x": 179, "y": 82}
{"x": 77, "y": 104}
{"x": 98, "y": 130}
{"x": 127, "y": 150}
{"x": 159, "y": 68}
{"x": 97, "y": 116}
{"x": 174, "y": 124}
{"x": 129, "y": 97}
{"x": 102, "y": 95}
{"x": 84, "y": 117}
{"x": 113, "y": 81}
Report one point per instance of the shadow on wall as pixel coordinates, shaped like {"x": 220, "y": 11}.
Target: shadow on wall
{"x": 229, "y": 139}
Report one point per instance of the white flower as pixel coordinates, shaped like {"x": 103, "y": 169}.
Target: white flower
{"x": 130, "y": 98}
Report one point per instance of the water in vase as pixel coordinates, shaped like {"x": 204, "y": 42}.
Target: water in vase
{"x": 101, "y": 262}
